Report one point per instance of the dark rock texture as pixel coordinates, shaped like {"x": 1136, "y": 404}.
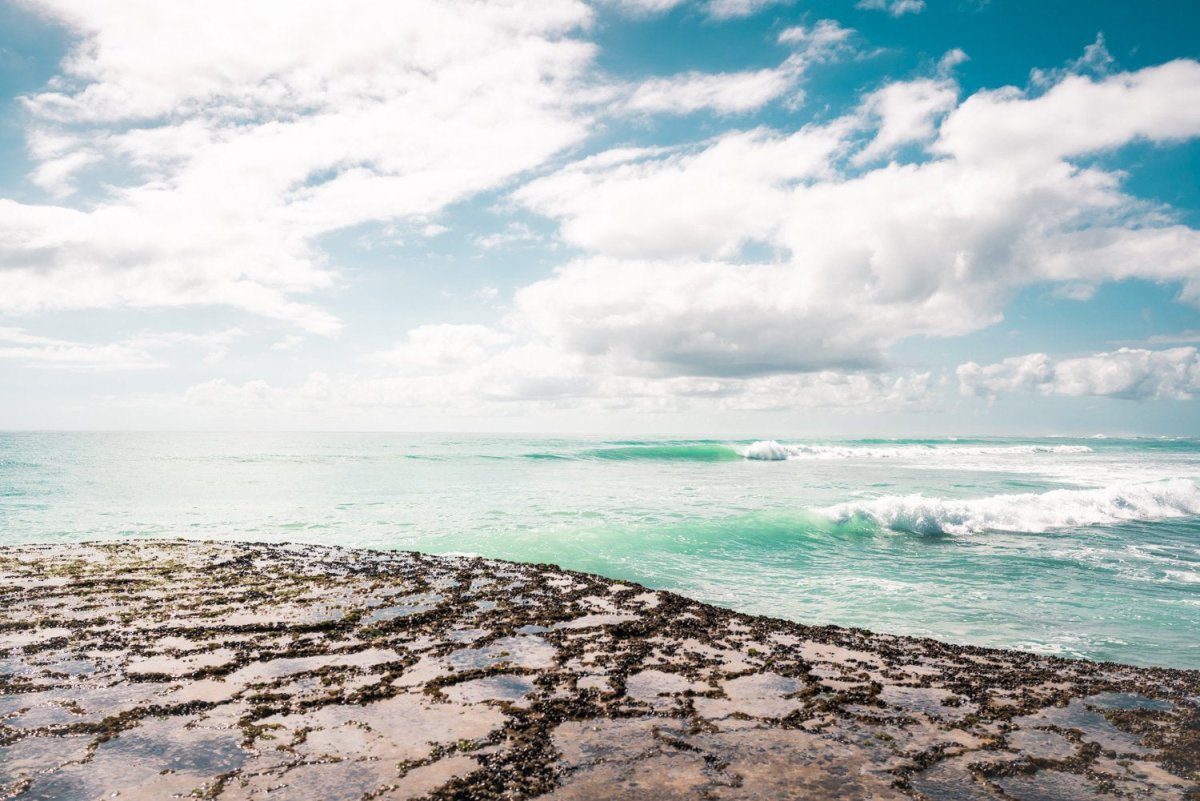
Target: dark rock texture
{"x": 148, "y": 670}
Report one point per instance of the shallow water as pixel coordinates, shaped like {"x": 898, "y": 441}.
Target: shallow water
{"x": 1086, "y": 548}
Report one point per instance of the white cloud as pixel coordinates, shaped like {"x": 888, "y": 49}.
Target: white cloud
{"x": 733, "y": 9}
{"x": 821, "y": 42}
{"x": 135, "y": 353}
{"x": 479, "y": 370}
{"x": 1096, "y": 60}
{"x": 714, "y": 9}
{"x": 697, "y": 318}
{"x": 906, "y": 112}
{"x": 757, "y": 269}
{"x": 56, "y": 175}
{"x": 857, "y": 260}
{"x": 684, "y": 202}
{"x": 513, "y": 234}
{"x": 238, "y": 133}
{"x": 745, "y": 91}
{"x": 531, "y": 381}
{"x": 951, "y": 59}
{"x": 897, "y": 8}
{"x": 162, "y": 339}
{"x": 442, "y": 346}
{"x": 724, "y": 93}
{"x": 31, "y": 350}
{"x": 159, "y": 254}
{"x": 645, "y": 6}
{"x": 1130, "y": 373}
{"x": 1075, "y": 291}
{"x": 1077, "y": 116}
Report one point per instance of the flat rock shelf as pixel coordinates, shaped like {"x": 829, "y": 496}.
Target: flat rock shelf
{"x": 177, "y": 669}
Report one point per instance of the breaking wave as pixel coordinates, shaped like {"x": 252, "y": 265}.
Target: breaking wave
{"x": 773, "y": 451}
{"x": 670, "y": 452}
{"x": 1026, "y": 512}
{"x": 770, "y": 450}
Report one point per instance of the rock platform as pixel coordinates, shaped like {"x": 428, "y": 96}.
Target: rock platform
{"x": 180, "y": 669}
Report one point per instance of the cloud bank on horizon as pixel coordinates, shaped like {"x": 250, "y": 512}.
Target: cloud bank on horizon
{"x": 470, "y": 213}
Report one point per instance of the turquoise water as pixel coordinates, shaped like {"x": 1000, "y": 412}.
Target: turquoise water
{"x": 1084, "y": 548}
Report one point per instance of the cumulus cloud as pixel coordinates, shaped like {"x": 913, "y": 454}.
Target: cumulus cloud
{"x": 56, "y": 174}
{"x": 1077, "y": 116}
{"x": 239, "y": 133}
{"x": 696, "y": 318}
{"x": 858, "y": 256}
{"x": 703, "y": 202}
{"x": 1130, "y": 373}
{"x": 905, "y": 112}
{"x": 758, "y": 268}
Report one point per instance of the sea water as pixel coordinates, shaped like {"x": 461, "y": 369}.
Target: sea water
{"x": 1082, "y": 548}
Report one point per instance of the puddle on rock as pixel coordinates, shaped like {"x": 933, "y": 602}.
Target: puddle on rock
{"x": 403, "y": 607}
{"x": 1041, "y": 744}
{"x": 1127, "y": 701}
{"x": 760, "y": 695}
{"x": 1093, "y": 727}
{"x": 524, "y": 651}
{"x": 651, "y": 685}
{"x": 1048, "y": 785}
{"x": 951, "y": 780}
{"x": 492, "y": 688}
{"x": 926, "y": 700}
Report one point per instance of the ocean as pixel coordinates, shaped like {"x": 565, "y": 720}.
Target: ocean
{"x": 1079, "y": 548}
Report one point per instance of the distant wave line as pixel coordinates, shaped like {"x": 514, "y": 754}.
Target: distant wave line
{"x": 772, "y": 450}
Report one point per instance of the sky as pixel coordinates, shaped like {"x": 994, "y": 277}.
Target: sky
{"x": 711, "y": 217}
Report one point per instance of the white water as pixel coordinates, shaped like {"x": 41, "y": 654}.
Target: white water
{"x": 1088, "y": 548}
{"x": 770, "y": 450}
{"x": 1026, "y": 512}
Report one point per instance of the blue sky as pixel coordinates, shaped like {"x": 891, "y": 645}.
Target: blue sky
{"x": 726, "y": 216}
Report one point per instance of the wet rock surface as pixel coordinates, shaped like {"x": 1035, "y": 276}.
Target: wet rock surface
{"x": 249, "y": 671}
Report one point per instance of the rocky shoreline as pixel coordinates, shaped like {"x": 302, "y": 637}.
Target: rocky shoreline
{"x": 173, "y": 669}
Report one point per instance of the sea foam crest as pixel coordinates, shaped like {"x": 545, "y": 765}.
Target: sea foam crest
{"x": 768, "y": 451}
{"x": 1025, "y": 512}
{"x": 772, "y": 451}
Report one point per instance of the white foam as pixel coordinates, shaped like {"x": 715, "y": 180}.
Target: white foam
{"x": 770, "y": 450}
{"x": 1026, "y": 512}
